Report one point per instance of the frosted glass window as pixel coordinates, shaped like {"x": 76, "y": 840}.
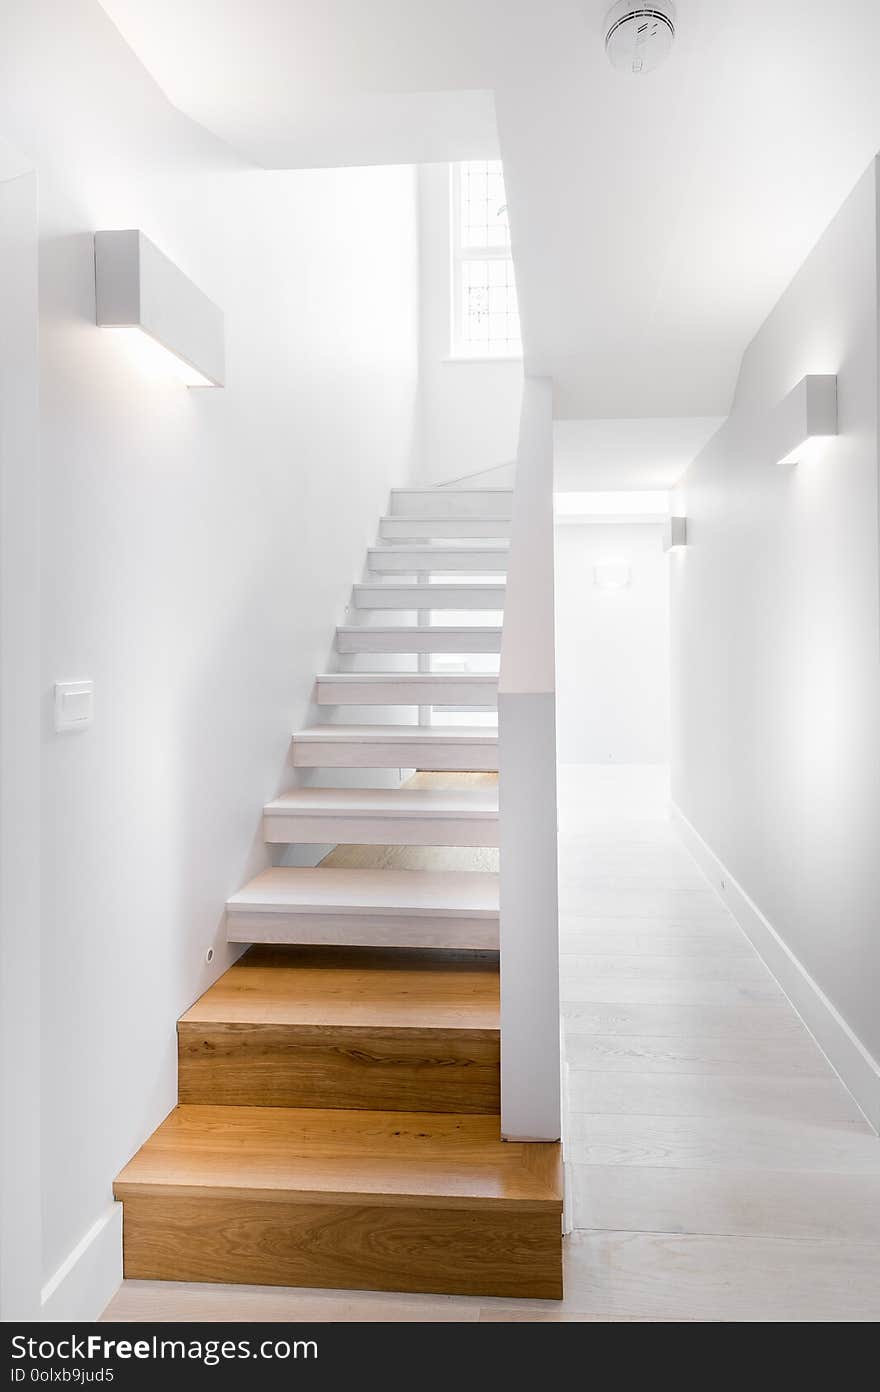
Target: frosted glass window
{"x": 485, "y": 308}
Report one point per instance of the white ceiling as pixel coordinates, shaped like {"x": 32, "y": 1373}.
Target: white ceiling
{"x": 651, "y": 453}
{"x": 655, "y": 219}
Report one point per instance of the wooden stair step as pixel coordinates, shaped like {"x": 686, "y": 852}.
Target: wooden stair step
{"x": 419, "y": 638}
{"x": 458, "y": 594}
{"x": 385, "y": 1030}
{"x": 440, "y": 747}
{"x": 406, "y": 688}
{"x": 384, "y": 817}
{"x": 367, "y": 908}
{"x": 451, "y": 502}
{"x": 398, "y": 527}
{"x": 348, "y": 1199}
{"x": 489, "y": 557}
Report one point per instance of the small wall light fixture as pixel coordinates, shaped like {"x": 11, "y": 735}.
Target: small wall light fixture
{"x": 139, "y": 290}
{"x": 674, "y": 533}
{"x": 611, "y": 575}
{"x": 809, "y": 411}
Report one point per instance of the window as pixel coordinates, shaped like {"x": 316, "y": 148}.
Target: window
{"x": 485, "y": 312}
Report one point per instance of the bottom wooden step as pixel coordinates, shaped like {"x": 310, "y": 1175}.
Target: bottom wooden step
{"x": 347, "y": 1200}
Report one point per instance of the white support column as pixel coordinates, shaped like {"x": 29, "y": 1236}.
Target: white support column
{"x": 530, "y": 1055}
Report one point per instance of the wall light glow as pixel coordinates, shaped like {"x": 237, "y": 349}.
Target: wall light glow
{"x": 152, "y": 360}
{"x": 165, "y": 314}
{"x": 675, "y": 533}
{"x": 807, "y": 413}
{"x": 611, "y": 575}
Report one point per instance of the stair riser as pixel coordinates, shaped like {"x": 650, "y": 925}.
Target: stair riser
{"x": 368, "y": 929}
{"x": 444, "y": 528}
{"x": 297, "y": 1066}
{"x": 292, "y": 828}
{"x": 403, "y": 1246}
{"x": 449, "y": 502}
{"x": 429, "y": 640}
{"x": 437, "y": 561}
{"x": 412, "y": 754}
{"x": 413, "y": 597}
{"x": 402, "y": 693}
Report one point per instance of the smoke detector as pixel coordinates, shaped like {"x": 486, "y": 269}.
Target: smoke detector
{"x": 639, "y": 37}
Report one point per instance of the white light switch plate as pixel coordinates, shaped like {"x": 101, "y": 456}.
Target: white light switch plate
{"x": 74, "y": 705}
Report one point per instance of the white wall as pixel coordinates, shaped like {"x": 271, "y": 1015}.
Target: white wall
{"x": 612, "y": 647}
{"x": 469, "y": 410}
{"x": 775, "y": 624}
{"x": 199, "y": 547}
{"x": 19, "y": 744}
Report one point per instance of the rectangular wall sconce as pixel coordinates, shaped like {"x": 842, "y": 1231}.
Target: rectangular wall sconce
{"x": 138, "y": 289}
{"x": 674, "y": 533}
{"x": 809, "y": 411}
{"x": 611, "y": 575}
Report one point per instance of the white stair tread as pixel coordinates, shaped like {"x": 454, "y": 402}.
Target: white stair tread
{"x": 410, "y": 678}
{"x": 404, "y": 734}
{"x": 470, "y": 518}
{"x": 441, "y": 547}
{"x": 367, "y": 636}
{"x": 385, "y": 592}
{"x": 385, "y": 582}
{"x": 438, "y": 893}
{"x": 458, "y": 803}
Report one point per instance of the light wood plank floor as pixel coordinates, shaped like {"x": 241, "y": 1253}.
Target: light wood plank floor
{"x": 718, "y": 1169}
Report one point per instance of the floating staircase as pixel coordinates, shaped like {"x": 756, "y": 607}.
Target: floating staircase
{"x": 339, "y": 1087}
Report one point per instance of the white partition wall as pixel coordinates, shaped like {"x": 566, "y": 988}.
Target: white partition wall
{"x": 530, "y": 1081}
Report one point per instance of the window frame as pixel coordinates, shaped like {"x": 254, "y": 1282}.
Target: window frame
{"x": 459, "y": 253}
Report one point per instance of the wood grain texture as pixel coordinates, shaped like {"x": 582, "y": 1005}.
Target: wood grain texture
{"x": 274, "y": 1154}
{"x": 264, "y": 1065}
{"x": 168, "y": 1302}
{"x": 730, "y": 1142}
{"x": 706, "y": 1095}
{"x": 394, "y": 989}
{"x": 675, "y": 1276}
{"x": 786, "y": 1055}
{"x": 815, "y": 1206}
{"x": 446, "y": 1250}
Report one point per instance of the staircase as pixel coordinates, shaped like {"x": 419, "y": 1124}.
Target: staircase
{"x": 339, "y": 1087}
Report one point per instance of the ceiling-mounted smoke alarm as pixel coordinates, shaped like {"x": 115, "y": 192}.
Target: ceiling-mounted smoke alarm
{"x": 639, "y": 37}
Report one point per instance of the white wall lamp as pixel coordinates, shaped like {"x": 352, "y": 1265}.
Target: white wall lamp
{"x": 138, "y": 290}
{"x": 674, "y": 533}
{"x": 611, "y": 575}
{"x": 808, "y": 412}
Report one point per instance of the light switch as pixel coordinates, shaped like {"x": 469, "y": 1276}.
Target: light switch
{"x": 74, "y": 705}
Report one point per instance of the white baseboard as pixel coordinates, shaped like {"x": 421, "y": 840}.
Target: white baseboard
{"x": 90, "y": 1276}
{"x": 847, "y": 1055}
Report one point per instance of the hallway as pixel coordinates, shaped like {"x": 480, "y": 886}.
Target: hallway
{"x": 717, "y": 1168}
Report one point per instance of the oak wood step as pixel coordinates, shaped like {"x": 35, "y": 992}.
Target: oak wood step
{"x": 406, "y": 688}
{"x": 367, "y": 908}
{"x": 385, "y": 1030}
{"x": 441, "y": 747}
{"x": 416, "y": 638}
{"x": 490, "y": 557}
{"x": 384, "y": 817}
{"x": 347, "y": 1199}
{"x": 459, "y": 594}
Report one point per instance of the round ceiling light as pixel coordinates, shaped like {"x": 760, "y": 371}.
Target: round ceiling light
{"x": 639, "y": 37}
